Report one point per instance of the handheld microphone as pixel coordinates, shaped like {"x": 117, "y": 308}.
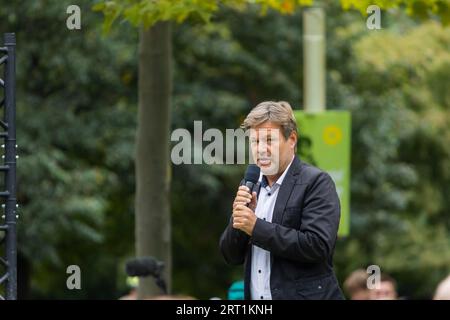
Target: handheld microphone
{"x": 251, "y": 177}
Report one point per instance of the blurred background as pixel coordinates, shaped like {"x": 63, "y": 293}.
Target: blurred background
{"x": 77, "y": 107}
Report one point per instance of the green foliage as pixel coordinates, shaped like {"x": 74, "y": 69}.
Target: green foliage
{"x": 76, "y": 105}
{"x": 147, "y": 13}
{"x": 423, "y": 9}
{"x": 75, "y": 129}
{"x": 396, "y": 85}
{"x": 397, "y": 92}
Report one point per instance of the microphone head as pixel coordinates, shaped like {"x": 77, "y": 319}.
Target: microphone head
{"x": 252, "y": 173}
{"x": 145, "y": 266}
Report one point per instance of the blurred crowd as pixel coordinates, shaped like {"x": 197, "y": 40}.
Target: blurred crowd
{"x": 358, "y": 286}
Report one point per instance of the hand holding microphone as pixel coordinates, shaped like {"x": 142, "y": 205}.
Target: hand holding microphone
{"x": 243, "y": 197}
{"x": 244, "y": 204}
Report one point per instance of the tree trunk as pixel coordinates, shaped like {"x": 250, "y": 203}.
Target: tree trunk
{"x": 153, "y": 223}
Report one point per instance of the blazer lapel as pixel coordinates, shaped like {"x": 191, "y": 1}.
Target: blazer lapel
{"x": 285, "y": 191}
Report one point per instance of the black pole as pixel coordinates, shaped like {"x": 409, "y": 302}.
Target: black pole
{"x": 10, "y": 162}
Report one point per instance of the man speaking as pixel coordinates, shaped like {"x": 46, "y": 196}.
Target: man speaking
{"x": 284, "y": 229}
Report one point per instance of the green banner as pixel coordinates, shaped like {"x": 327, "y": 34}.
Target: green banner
{"x": 324, "y": 141}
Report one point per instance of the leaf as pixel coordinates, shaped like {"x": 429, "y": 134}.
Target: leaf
{"x": 419, "y": 8}
{"x": 99, "y": 6}
{"x": 443, "y": 11}
{"x": 287, "y": 6}
{"x": 305, "y": 3}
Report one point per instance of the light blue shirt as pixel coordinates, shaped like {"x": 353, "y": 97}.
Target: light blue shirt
{"x": 260, "y": 268}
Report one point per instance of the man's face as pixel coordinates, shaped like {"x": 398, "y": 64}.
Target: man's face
{"x": 270, "y": 149}
{"x": 385, "y": 292}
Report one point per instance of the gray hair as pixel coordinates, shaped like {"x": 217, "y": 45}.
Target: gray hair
{"x": 277, "y": 112}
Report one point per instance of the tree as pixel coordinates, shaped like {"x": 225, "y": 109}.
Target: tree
{"x": 75, "y": 120}
{"x": 153, "y": 235}
{"x": 423, "y": 9}
{"x": 147, "y": 12}
{"x": 400, "y": 142}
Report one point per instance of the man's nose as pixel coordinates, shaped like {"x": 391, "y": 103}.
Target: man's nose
{"x": 264, "y": 152}
{"x": 263, "y": 146}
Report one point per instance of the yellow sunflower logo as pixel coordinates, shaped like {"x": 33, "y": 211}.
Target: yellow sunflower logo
{"x": 332, "y": 135}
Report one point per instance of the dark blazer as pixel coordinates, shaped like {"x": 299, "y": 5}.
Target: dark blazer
{"x": 301, "y": 237}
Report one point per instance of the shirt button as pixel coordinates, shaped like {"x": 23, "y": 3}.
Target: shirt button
{"x": 262, "y": 297}
{"x": 269, "y": 194}
{"x": 259, "y": 271}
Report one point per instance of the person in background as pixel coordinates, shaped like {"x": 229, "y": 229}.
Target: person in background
{"x": 132, "y": 283}
{"x": 355, "y": 285}
{"x": 236, "y": 291}
{"x": 387, "y": 289}
{"x": 443, "y": 290}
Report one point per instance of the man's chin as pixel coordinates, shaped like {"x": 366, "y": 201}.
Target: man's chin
{"x": 269, "y": 170}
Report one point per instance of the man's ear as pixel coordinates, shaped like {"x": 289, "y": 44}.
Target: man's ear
{"x": 294, "y": 138}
